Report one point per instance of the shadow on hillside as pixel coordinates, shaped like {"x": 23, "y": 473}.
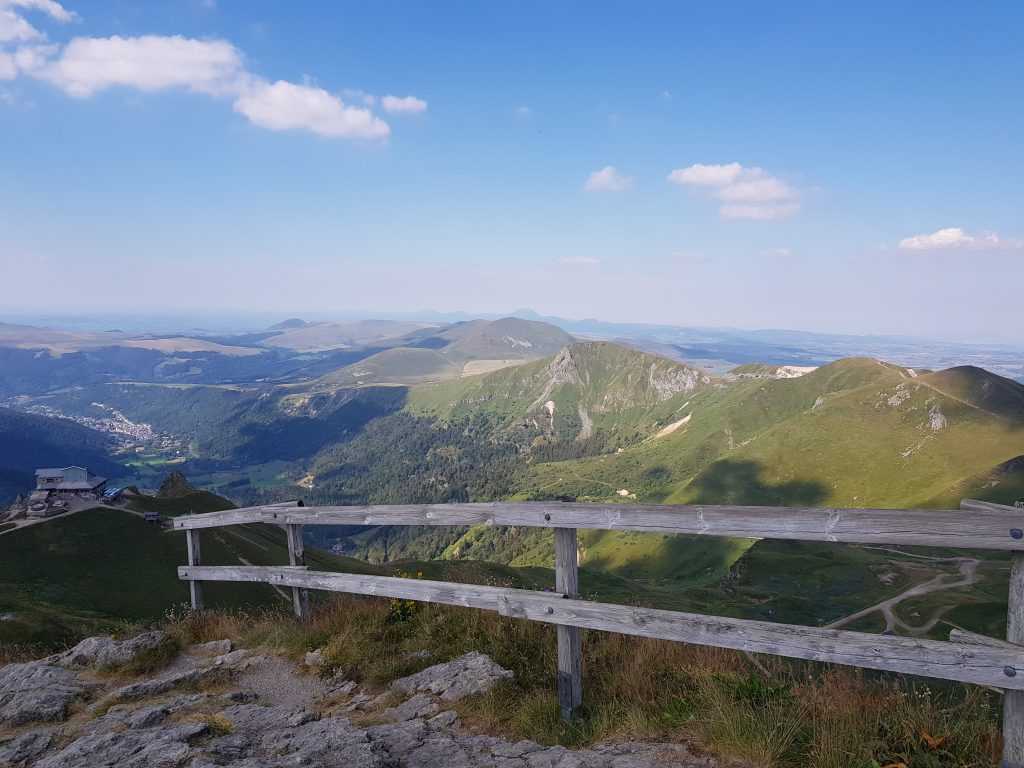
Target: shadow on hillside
{"x": 274, "y": 434}
{"x": 729, "y": 481}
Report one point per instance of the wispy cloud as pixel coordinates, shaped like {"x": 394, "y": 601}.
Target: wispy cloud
{"x": 404, "y": 104}
{"x": 782, "y": 254}
{"x": 956, "y": 239}
{"x": 150, "y": 63}
{"x": 14, "y": 27}
{"x": 745, "y": 192}
{"x": 607, "y": 180}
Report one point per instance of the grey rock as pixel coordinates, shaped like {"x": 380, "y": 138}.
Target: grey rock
{"x": 420, "y": 705}
{"x": 471, "y": 673}
{"x": 27, "y": 746}
{"x": 517, "y": 749}
{"x": 341, "y": 687}
{"x": 37, "y": 691}
{"x": 314, "y": 658}
{"x": 150, "y": 748}
{"x": 232, "y": 746}
{"x": 147, "y": 717}
{"x": 189, "y": 679}
{"x": 122, "y": 716}
{"x": 359, "y": 701}
{"x": 228, "y": 659}
{"x": 213, "y": 648}
{"x": 104, "y": 651}
{"x": 240, "y": 697}
{"x": 401, "y": 738}
{"x": 449, "y": 719}
{"x": 287, "y": 736}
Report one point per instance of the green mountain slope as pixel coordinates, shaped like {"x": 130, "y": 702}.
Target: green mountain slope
{"x": 584, "y": 388}
{"x": 855, "y": 432}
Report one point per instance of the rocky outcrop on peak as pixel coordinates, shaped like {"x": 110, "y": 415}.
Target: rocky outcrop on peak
{"x": 174, "y": 486}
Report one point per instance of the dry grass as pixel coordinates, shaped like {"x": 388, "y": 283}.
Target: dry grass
{"x": 767, "y": 711}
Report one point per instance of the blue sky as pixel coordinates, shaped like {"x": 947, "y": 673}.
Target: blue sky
{"x": 847, "y": 167}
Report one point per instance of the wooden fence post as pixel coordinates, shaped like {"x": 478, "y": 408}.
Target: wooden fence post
{"x": 567, "y": 581}
{"x": 297, "y": 556}
{"x": 195, "y": 587}
{"x": 1013, "y": 701}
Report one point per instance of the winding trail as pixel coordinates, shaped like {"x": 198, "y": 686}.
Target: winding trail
{"x": 968, "y": 569}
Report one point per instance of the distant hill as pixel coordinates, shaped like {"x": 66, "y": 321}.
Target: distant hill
{"x": 29, "y": 442}
{"x": 506, "y": 338}
{"x": 319, "y": 336}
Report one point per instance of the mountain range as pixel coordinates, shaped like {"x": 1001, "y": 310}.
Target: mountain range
{"x": 521, "y": 409}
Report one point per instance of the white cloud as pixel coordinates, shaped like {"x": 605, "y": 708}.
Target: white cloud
{"x": 14, "y": 27}
{"x": 283, "y": 106}
{"x": 49, "y": 7}
{"x": 699, "y": 175}
{"x": 607, "y": 180}
{"x": 952, "y": 238}
{"x": 148, "y": 63}
{"x": 523, "y": 111}
{"x": 404, "y": 104}
{"x": 748, "y": 193}
{"x": 578, "y": 261}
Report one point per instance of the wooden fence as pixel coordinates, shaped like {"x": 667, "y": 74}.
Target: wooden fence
{"x": 966, "y": 657}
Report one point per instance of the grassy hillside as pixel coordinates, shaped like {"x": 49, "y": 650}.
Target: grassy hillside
{"x": 395, "y": 366}
{"x": 855, "y": 433}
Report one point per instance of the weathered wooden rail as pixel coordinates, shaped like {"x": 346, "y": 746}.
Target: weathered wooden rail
{"x": 966, "y": 657}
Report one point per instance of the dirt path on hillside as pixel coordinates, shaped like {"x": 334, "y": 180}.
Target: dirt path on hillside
{"x": 968, "y": 570}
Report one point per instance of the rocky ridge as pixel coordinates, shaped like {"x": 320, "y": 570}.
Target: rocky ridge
{"x": 218, "y": 706}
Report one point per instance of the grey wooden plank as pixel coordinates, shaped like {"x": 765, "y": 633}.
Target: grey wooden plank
{"x": 193, "y": 555}
{"x": 1013, "y": 701}
{"x": 982, "y": 529}
{"x": 570, "y": 658}
{"x": 963, "y": 637}
{"x": 296, "y": 558}
{"x": 915, "y": 656}
{"x": 973, "y": 505}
